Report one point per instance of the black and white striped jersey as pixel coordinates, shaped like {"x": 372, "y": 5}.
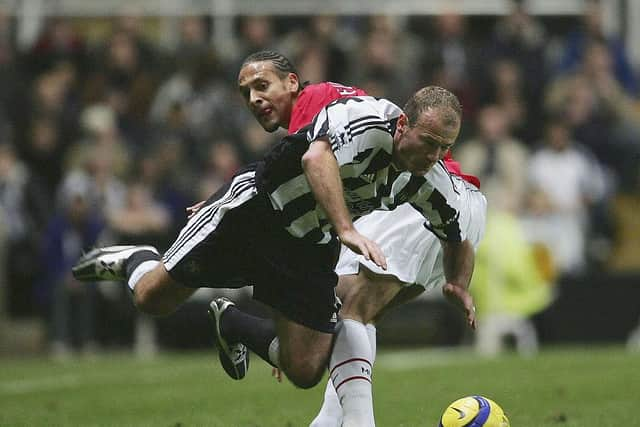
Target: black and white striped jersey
{"x": 360, "y": 130}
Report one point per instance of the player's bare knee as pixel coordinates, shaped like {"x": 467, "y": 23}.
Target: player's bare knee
{"x": 304, "y": 370}
{"x": 149, "y": 301}
{"x": 365, "y": 295}
{"x": 146, "y": 303}
{"x": 305, "y": 376}
{"x": 158, "y": 295}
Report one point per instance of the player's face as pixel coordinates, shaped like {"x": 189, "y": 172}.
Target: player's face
{"x": 417, "y": 147}
{"x": 269, "y": 96}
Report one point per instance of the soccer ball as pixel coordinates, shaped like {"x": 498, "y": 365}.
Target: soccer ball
{"x": 474, "y": 411}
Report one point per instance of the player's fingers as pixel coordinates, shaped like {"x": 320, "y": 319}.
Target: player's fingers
{"x": 366, "y": 254}
{"x": 277, "y": 374}
{"x": 378, "y": 256}
{"x": 193, "y": 209}
{"x": 471, "y": 317}
{"x": 364, "y": 250}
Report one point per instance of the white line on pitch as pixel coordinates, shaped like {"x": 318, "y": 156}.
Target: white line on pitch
{"x": 39, "y": 384}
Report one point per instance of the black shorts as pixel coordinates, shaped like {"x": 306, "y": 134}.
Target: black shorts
{"x": 235, "y": 240}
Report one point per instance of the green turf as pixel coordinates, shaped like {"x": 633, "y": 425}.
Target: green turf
{"x": 571, "y": 387}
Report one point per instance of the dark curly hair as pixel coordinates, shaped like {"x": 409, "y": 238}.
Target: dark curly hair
{"x": 282, "y": 64}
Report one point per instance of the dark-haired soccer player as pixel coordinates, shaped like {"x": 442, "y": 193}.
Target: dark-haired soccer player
{"x": 275, "y": 225}
{"x": 414, "y": 254}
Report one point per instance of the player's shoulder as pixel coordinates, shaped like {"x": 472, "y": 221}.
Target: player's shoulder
{"x": 310, "y": 101}
{"x": 331, "y": 90}
{"x": 364, "y": 106}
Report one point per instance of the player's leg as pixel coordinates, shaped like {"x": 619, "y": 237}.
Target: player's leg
{"x": 154, "y": 291}
{"x": 330, "y": 414}
{"x": 158, "y": 285}
{"x": 364, "y": 296}
{"x": 301, "y": 352}
{"x": 158, "y": 294}
{"x": 299, "y": 284}
{"x": 235, "y": 331}
{"x": 296, "y": 279}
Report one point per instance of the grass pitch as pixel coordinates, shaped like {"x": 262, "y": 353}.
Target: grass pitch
{"x": 568, "y": 387}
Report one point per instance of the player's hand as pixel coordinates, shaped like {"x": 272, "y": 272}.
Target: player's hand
{"x": 463, "y": 299}
{"x": 277, "y": 374}
{"x": 363, "y": 246}
{"x": 192, "y": 210}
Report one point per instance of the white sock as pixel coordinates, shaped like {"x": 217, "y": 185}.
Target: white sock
{"x": 330, "y": 414}
{"x": 350, "y": 370}
{"x": 274, "y": 352}
{"x": 140, "y": 271}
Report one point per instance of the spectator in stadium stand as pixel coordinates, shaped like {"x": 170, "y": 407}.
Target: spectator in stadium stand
{"x": 131, "y": 21}
{"x": 255, "y": 33}
{"x": 519, "y": 39}
{"x": 319, "y": 48}
{"x": 169, "y": 175}
{"x": 121, "y": 78}
{"x": 565, "y": 183}
{"x": 497, "y": 159}
{"x": 591, "y": 30}
{"x": 25, "y": 211}
{"x": 223, "y": 159}
{"x": 300, "y": 339}
{"x": 452, "y": 59}
{"x": 222, "y": 163}
{"x": 598, "y": 109}
{"x": 45, "y": 123}
{"x": 43, "y": 154}
{"x": 194, "y": 39}
{"x": 505, "y": 89}
{"x": 391, "y": 55}
{"x": 142, "y": 218}
{"x": 193, "y": 101}
{"x": 75, "y": 226}
{"x": 59, "y": 41}
{"x": 508, "y": 289}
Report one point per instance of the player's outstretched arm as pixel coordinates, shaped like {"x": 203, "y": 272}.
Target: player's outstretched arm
{"x": 323, "y": 174}
{"x": 458, "y": 259}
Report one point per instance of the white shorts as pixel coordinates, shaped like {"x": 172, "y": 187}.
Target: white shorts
{"x": 414, "y": 254}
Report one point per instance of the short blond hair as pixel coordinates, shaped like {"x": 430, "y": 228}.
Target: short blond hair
{"x": 434, "y": 97}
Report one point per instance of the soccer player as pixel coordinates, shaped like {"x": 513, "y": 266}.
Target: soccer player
{"x": 275, "y": 225}
{"x": 414, "y": 256}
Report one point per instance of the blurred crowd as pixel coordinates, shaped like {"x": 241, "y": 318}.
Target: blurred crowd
{"x": 110, "y": 139}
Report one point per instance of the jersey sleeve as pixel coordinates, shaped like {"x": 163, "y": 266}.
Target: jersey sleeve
{"x": 440, "y": 199}
{"x": 356, "y": 127}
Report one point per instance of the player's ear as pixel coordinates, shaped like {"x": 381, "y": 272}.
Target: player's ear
{"x": 293, "y": 82}
{"x": 403, "y": 124}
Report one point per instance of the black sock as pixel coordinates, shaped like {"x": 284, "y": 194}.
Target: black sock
{"x": 138, "y": 258}
{"x": 254, "y": 332}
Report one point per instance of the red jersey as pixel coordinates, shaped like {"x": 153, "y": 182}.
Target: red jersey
{"x": 315, "y": 97}
{"x": 454, "y": 168}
